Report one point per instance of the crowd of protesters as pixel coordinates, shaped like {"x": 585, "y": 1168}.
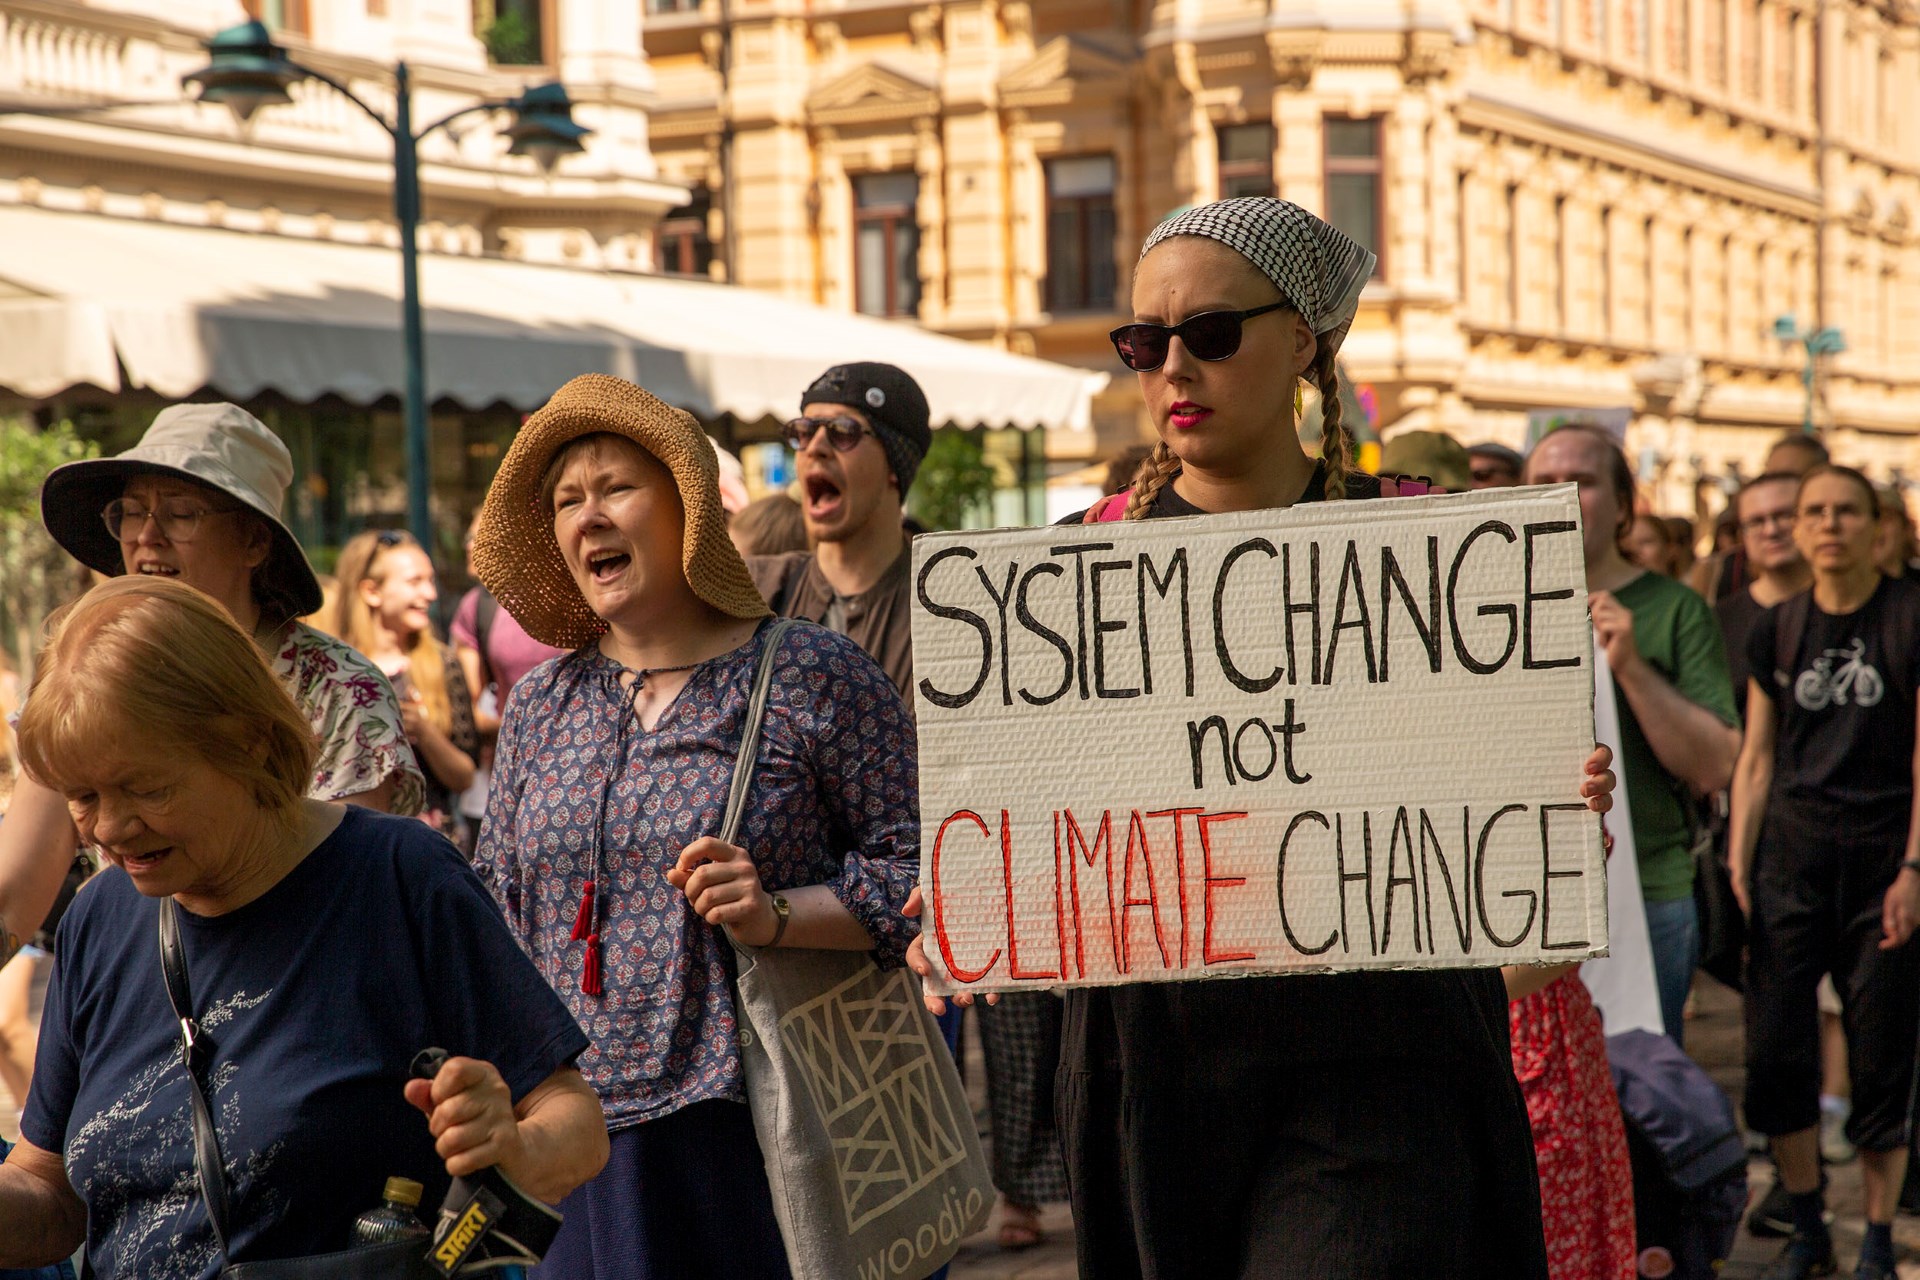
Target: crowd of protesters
{"x": 546, "y": 895}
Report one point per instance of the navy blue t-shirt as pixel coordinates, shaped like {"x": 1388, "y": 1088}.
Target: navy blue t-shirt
{"x": 316, "y": 997}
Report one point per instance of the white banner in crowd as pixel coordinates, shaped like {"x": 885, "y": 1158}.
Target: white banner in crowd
{"x": 1348, "y": 735}
{"x": 1622, "y": 985}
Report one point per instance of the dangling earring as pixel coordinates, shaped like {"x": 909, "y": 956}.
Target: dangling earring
{"x": 1299, "y": 402}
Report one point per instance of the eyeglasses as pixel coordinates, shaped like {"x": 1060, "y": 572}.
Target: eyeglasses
{"x": 1211, "y": 335}
{"x": 178, "y": 521}
{"x": 843, "y": 433}
{"x": 1759, "y": 524}
{"x": 388, "y": 539}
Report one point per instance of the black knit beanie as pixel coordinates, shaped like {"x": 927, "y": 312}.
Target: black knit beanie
{"x": 892, "y": 401}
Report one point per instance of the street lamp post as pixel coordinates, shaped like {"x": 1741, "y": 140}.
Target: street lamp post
{"x": 1825, "y": 341}
{"x": 248, "y": 70}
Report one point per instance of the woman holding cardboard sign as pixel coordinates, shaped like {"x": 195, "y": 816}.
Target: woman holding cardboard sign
{"x": 1327, "y": 1126}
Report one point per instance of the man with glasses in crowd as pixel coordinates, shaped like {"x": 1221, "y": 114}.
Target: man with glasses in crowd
{"x": 1763, "y": 512}
{"x": 860, "y": 437}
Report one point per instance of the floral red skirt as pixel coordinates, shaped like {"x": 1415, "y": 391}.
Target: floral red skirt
{"x": 1586, "y": 1182}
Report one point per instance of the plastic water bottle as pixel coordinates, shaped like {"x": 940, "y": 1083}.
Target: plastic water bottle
{"x": 395, "y": 1219}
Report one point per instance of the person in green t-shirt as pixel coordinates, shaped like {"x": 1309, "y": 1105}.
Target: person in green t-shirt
{"x": 1677, "y": 734}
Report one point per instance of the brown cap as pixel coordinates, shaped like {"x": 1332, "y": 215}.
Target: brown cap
{"x": 514, "y": 550}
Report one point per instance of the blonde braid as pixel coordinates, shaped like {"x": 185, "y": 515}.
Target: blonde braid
{"x": 1155, "y": 470}
{"x": 1336, "y": 442}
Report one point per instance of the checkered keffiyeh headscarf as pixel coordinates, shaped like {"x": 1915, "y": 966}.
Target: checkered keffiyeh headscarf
{"x": 1317, "y": 269}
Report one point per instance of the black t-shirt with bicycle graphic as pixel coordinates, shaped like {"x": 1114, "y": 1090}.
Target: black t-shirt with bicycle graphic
{"x": 1845, "y": 699}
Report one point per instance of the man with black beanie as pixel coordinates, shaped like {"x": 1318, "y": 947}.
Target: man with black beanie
{"x": 861, "y": 434}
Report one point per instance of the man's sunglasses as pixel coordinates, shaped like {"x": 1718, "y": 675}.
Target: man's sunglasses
{"x": 1211, "y": 335}
{"x": 843, "y": 433}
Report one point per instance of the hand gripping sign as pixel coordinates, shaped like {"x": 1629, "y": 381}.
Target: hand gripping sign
{"x": 1349, "y": 735}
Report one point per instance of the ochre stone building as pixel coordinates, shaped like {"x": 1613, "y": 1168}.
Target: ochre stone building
{"x": 1578, "y": 204}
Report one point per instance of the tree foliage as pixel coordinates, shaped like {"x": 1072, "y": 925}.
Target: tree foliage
{"x": 954, "y": 481}
{"x": 35, "y": 575}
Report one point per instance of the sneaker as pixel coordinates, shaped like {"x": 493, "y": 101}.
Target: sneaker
{"x": 1772, "y": 1218}
{"x": 1802, "y": 1259}
{"x": 1834, "y": 1147}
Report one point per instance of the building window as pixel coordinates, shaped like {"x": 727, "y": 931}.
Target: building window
{"x": 1356, "y": 184}
{"x": 673, "y": 6}
{"x": 280, "y": 15}
{"x": 1080, "y": 231}
{"x": 1246, "y": 160}
{"x": 886, "y": 244}
{"x": 680, "y": 244}
{"x": 514, "y": 31}
{"x": 1516, "y": 245}
{"x": 1677, "y": 35}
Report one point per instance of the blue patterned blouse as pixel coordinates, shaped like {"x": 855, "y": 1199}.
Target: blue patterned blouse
{"x": 581, "y": 791}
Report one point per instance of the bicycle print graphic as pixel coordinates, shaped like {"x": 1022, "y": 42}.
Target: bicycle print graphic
{"x": 1853, "y": 682}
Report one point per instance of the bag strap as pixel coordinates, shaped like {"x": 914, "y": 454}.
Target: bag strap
{"x": 1109, "y": 509}
{"x": 1790, "y": 627}
{"x": 750, "y": 731}
{"x": 195, "y": 1052}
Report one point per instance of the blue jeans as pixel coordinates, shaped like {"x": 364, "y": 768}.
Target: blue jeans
{"x": 59, "y": 1271}
{"x": 1673, "y": 929}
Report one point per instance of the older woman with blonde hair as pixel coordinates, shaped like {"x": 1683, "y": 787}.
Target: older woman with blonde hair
{"x": 324, "y": 946}
{"x": 603, "y": 533}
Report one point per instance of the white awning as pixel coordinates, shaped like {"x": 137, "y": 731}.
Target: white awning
{"x": 84, "y": 298}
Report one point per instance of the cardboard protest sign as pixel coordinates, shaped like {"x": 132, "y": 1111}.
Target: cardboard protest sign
{"x": 1348, "y": 735}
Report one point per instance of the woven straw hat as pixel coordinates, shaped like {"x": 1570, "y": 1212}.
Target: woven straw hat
{"x": 514, "y": 550}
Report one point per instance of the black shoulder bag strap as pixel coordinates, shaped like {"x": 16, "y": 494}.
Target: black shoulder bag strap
{"x": 195, "y": 1053}
{"x": 1789, "y": 628}
{"x": 750, "y": 732}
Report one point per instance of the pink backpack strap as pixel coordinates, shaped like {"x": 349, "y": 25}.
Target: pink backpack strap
{"x": 1108, "y": 509}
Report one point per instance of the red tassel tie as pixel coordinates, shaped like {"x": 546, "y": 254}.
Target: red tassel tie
{"x": 590, "y": 974}
{"x": 583, "y": 919}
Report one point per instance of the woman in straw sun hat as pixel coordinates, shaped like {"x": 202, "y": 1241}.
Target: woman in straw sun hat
{"x": 199, "y": 500}
{"x": 1314, "y": 1127}
{"x": 603, "y": 533}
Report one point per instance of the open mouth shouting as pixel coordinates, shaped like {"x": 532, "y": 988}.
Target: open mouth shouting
{"x": 606, "y": 565}
{"x": 824, "y": 497}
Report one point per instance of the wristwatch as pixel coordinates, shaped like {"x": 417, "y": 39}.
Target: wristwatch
{"x": 1911, "y": 864}
{"x": 782, "y": 912}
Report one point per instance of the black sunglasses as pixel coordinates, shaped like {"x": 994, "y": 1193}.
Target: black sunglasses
{"x": 1211, "y": 335}
{"x": 387, "y": 539}
{"x": 843, "y": 433}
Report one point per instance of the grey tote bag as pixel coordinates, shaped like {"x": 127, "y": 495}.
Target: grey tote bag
{"x": 870, "y": 1148}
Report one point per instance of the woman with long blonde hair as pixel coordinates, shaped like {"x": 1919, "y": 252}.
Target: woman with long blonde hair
{"x": 386, "y": 592}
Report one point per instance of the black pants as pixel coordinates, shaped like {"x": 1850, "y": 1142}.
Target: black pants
{"x": 1817, "y": 898}
{"x": 1201, "y": 1147}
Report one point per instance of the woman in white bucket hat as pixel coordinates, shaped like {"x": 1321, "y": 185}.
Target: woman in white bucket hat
{"x": 199, "y": 499}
